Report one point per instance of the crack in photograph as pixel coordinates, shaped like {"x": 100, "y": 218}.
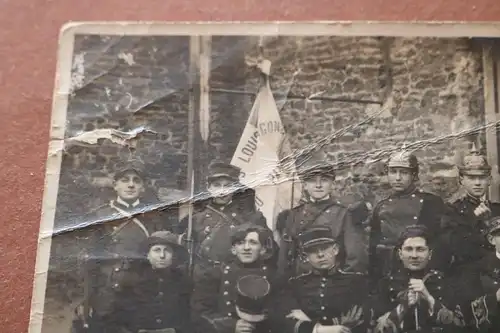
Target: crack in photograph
{"x": 300, "y": 178}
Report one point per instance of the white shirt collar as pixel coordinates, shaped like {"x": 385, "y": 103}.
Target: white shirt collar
{"x": 124, "y": 203}
{"x": 321, "y": 200}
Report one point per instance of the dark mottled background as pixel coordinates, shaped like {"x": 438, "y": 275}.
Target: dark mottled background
{"x": 28, "y": 46}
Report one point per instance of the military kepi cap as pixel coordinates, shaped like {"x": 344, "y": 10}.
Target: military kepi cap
{"x": 252, "y": 295}
{"x": 134, "y": 165}
{"x": 315, "y": 236}
{"x": 219, "y": 169}
{"x": 314, "y": 164}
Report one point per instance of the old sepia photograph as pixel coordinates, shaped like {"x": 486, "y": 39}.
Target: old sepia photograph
{"x": 312, "y": 177}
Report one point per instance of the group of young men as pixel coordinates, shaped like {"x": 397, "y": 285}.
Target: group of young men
{"x": 413, "y": 263}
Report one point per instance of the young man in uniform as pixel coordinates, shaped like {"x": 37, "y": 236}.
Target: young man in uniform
{"x": 320, "y": 208}
{"x": 325, "y": 299}
{"x": 112, "y": 243}
{"x": 213, "y": 304}
{"x": 416, "y": 298}
{"x": 227, "y": 208}
{"x": 406, "y": 205}
{"x": 472, "y": 209}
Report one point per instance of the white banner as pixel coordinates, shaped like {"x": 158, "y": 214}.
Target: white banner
{"x": 265, "y": 159}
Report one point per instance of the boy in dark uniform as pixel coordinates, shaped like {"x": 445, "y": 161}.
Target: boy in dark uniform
{"x": 158, "y": 301}
{"x": 227, "y": 208}
{"x": 416, "y": 298}
{"x": 215, "y": 289}
{"x": 112, "y": 243}
{"x": 406, "y": 205}
{"x": 320, "y": 209}
{"x": 325, "y": 299}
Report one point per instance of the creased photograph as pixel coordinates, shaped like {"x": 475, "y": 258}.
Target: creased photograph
{"x": 272, "y": 178}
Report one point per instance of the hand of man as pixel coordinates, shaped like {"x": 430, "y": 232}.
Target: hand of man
{"x": 298, "y": 315}
{"x": 498, "y": 295}
{"x": 482, "y": 209}
{"x": 333, "y": 329}
{"x": 412, "y": 298}
{"x": 353, "y": 316}
{"x": 418, "y": 286}
{"x": 244, "y": 327}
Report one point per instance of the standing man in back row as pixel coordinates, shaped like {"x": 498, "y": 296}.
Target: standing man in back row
{"x": 227, "y": 208}
{"x": 112, "y": 243}
{"x": 406, "y": 205}
{"x": 473, "y": 209}
{"x": 320, "y": 209}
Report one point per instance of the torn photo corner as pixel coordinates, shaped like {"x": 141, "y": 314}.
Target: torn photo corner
{"x": 239, "y": 149}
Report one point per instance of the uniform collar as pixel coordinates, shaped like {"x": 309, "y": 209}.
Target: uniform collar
{"x": 410, "y": 190}
{"x": 475, "y": 200}
{"x": 325, "y": 199}
{"x": 219, "y": 206}
{"x": 414, "y": 274}
{"x": 332, "y": 271}
{"x": 256, "y": 264}
{"x": 125, "y": 204}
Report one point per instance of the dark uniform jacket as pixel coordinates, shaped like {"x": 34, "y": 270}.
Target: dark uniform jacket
{"x": 334, "y": 297}
{"x": 214, "y": 296}
{"x": 470, "y": 242}
{"x": 468, "y": 239}
{"x": 329, "y": 213}
{"x": 113, "y": 245}
{"x": 212, "y": 227}
{"x": 395, "y": 316}
{"x": 158, "y": 300}
{"x": 390, "y": 218}
{"x": 484, "y": 313}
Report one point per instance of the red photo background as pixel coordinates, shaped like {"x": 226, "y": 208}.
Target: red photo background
{"x": 28, "y": 47}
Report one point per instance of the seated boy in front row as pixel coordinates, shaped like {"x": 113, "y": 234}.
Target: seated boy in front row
{"x": 325, "y": 299}
{"x": 215, "y": 294}
{"x": 157, "y": 301}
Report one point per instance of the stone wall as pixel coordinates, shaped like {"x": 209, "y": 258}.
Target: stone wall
{"x": 427, "y": 90}
{"x": 430, "y": 90}
{"x": 127, "y": 84}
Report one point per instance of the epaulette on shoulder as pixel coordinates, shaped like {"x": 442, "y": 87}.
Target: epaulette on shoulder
{"x": 351, "y": 273}
{"x": 457, "y": 197}
{"x": 98, "y": 208}
{"x": 436, "y": 274}
{"x": 301, "y": 204}
{"x": 429, "y": 195}
{"x": 381, "y": 202}
{"x": 293, "y": 278}
{"x": 339, "y": 203}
